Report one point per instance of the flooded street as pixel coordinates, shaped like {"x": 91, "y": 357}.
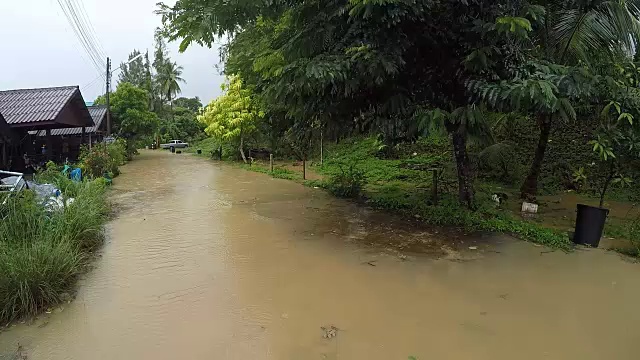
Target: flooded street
{"x": 207, "y": 261}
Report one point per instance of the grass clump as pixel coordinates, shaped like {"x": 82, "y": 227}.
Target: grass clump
{"x": 279, "y": 173}
{"x": 42, "y": 252}
{"x": 348, "y": 183}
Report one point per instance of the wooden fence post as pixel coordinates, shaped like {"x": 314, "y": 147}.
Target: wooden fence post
{"x": 271, "y": 162}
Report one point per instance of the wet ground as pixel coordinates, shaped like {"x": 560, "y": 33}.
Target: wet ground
{"x": 207, "y": 261}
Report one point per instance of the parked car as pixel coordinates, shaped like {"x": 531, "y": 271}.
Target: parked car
{"x": 175, "y": 144}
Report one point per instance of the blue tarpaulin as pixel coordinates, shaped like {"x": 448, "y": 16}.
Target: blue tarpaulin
{"x": 76, "y": 174}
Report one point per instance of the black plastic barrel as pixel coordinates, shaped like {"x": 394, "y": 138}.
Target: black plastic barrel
{"x": 173, "y": 150}
{"x": 590, "y": 222}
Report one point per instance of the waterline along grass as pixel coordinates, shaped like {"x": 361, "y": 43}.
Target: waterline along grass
{"x": 42, "y": 253}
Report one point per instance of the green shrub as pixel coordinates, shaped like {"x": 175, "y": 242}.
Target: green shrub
{"x": 101, "y": 159}
{"x": 118, "y": 153}
{"x": 348, "y": 183}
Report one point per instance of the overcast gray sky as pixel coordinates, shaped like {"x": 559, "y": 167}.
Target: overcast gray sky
{"x": 38, "y": 47}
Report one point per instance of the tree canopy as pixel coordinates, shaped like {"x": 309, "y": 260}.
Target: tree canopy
{"x": 233, "y": 116}
{"x": 130, "y": 110}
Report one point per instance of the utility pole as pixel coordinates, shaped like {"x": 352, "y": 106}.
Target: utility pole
{"x": 107, "y": 96}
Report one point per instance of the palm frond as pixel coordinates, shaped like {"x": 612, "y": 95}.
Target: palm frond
{"x": 581, "y": 30}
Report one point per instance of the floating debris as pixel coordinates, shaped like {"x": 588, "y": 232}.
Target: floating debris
{"x": 329, "y": 332}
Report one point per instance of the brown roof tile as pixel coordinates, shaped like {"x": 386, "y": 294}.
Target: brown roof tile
{"x": 34, "y": 105}
{"x": 97, "y": 112}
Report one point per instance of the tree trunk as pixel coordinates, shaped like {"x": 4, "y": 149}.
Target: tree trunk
{"x": 606, "y": 184}
{"x": 171, "y": 109}
{"x": 220, "y": 153}
{"x": 304, "y": 169}
{"x": 242, "y": 149}
{"x": 465, "y": 184}
{"x": 529, "y": 188}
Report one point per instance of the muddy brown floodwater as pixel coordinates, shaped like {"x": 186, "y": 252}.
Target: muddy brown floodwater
{"x": 207, "y": 261}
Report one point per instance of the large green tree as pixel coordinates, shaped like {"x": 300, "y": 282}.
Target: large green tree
{"x": 132, "y": 119}
{"x": 233, "y": 116}
{"x": 346, "y": 63}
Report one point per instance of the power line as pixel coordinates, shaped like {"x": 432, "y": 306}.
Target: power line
{"x": 75, "y": 46}
{"x": 84, "y": 31}
{"x": 84, "y": 22}
{"x": 81, "y": 33}
{"x": 91, "y": 28}
{"x": 80, "y": 37}
{"x": 93, "y": 82}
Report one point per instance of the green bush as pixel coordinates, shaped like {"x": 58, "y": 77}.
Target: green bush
{"x": 348, "y": 183}
{"x": 42, "y": 252}
{"x": 101, "y": 159}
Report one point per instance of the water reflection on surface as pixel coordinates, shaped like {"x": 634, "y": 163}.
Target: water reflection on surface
{"x": 206, "y": 261}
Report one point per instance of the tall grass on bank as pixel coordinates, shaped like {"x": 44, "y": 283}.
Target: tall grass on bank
{"x": 42, "y": 253}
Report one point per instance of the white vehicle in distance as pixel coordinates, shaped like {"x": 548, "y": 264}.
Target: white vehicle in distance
{"x": 175, "y": 144}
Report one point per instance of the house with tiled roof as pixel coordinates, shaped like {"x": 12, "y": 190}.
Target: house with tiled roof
{"x": 44, "y": 108}
{"x": 29, "y": 111}
{"x": 70, "y": 140}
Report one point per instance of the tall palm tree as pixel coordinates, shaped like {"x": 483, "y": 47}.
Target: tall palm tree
{"x": 170, "y": 81}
